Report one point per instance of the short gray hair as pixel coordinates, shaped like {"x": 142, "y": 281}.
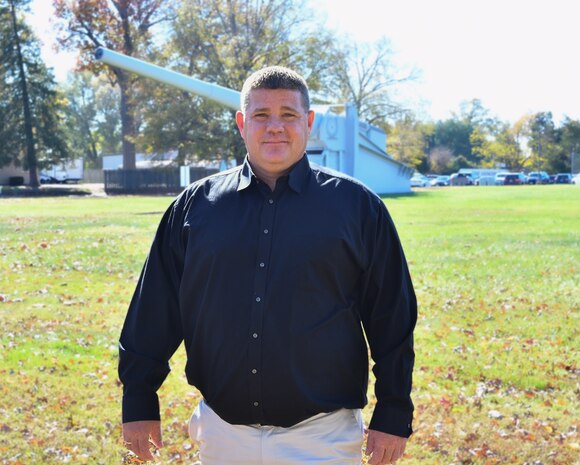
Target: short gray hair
{"x": 275, "y": 77}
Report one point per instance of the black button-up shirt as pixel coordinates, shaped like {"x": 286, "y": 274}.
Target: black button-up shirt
{"x": 273, "y": 294}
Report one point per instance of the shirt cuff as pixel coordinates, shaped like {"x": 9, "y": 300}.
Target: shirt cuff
{"x": 388, "y": 419}
{"x": 140, "y": 408}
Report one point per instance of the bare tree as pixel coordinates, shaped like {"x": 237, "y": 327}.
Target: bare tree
{"x": 122, "y": 25}
{"x": 366, "y": 75}
{"x": 440, "y": 159}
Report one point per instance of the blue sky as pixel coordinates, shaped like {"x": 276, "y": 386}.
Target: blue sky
{"x": 516, "y": 56}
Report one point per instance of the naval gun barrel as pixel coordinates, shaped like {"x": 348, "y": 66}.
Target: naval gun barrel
{"x": 223, "y": 95}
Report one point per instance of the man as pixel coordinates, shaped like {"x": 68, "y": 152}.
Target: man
{"x": 269, "y": 272}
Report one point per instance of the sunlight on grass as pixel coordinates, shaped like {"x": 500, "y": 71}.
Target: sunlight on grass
{"x": 496, "y": 275}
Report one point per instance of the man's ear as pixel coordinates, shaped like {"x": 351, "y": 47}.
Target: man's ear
{"x": 240, "y": 122}
{"x": 310, "y": 120}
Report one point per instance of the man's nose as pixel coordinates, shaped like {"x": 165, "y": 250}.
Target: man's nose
{"x": 275, "y": 124}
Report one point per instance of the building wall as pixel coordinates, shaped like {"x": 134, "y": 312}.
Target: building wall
{"x": 95, "y": 176}
{"x": 8, "y": 171}
{"x": 381, "y": 175}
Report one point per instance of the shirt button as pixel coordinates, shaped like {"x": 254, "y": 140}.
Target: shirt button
{"x": 255, "y": 335}
{"x": 254, "y": 371}
{"x": 266, "y": 231}
{"x": 262, "y": 264}
{"x": 256, "y": 404}
{"x": 258, "y": 299}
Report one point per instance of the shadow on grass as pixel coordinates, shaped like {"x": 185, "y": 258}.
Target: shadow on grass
{"x": 43, "y": 191}
{"x": 413, "y": 194}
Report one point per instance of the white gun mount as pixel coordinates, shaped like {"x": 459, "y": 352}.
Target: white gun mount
{"x": 338, "y": 141}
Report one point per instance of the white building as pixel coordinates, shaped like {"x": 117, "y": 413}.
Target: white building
{"x": 336, "y": 143}
{"x": 142, "y": 160}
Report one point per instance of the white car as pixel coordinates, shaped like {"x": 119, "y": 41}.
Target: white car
{"x": 419, "y": 180}
{"x": 442, "y": 180}
{"x": 499, "y": 178}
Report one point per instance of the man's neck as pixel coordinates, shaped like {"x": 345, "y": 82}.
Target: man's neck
{"x": 268, "y": 177}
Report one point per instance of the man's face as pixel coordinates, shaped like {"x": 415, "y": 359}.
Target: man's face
{"x": 275, "y": 129}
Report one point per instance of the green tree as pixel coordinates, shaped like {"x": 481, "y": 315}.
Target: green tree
{"x": 506, "y": 149}
{"x": 222, "y": 42}
{"x": 10, "y": 116}
{"x": 32, "y": 108}
{"x": 407, "y": 142}
{"x": 542, "y": 142}
{"x": 569, "y": 142}
{"x": 454, "y": 135}
{"x": 122, "y": 25}
{"x": 468, "y": 135}
{"x": 481, "y": 146}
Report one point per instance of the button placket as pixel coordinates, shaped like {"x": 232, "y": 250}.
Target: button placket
{"x": 259, "y": 305}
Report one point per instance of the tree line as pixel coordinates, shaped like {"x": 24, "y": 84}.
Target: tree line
{"x": 101, "y": 110}
{"x": 472, "y": 138}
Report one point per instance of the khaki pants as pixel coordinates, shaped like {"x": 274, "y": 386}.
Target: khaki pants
{"x": 326, "y": 439}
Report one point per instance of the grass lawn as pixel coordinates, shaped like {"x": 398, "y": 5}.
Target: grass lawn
{"x": 497, "y": 280}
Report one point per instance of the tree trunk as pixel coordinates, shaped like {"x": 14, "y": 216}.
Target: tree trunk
{"x": 30, "y": 150}
{"x": 128, "y": 129}
{"x": 181, "y": 155}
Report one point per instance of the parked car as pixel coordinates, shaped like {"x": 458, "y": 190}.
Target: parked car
{"x": 485, "y": 180}
{"x": 419, "y": 180}
{"x": 538, "y": 177}
{"x": 514, "y": 179}
{"x": 46, "y": 179}
{"x": 460, "y": 179}
{"x": 442, "y": 180}
{"x": 499, "y": 178}
{"x": 563, "y": 178}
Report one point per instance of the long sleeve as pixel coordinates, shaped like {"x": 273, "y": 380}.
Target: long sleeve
{"x": 152, "y": 331}
{"x": 389, "y": 314}
{"x": 268, "y": 290}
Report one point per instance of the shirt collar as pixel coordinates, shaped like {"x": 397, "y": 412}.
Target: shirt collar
{"x": 296, "y": 178}
{"x": 246, "y": 175}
